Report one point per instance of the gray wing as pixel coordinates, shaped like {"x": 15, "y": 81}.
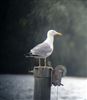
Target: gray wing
{"x": 42, "y": 50}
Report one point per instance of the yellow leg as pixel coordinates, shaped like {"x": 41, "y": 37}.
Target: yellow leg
{"x": 45, "y": 62}
{"x": 39, "y": 62}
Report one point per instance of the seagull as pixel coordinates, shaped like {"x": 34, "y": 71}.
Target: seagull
{"x": 44, "y": 49}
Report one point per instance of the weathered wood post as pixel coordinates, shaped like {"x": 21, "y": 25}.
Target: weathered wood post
{"x": 42, "y": 84}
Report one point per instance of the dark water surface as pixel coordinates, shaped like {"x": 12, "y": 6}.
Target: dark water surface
{"x": 20, "y": 87}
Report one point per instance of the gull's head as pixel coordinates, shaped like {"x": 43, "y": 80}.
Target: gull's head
{"x": 53, "y": 33}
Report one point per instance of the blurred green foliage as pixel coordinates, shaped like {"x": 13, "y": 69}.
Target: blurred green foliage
{"x": 28, "y": 21}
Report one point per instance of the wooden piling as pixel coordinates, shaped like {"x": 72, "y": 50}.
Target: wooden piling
{"x": 42, "y": 84}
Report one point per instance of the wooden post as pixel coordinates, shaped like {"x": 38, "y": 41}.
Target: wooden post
{"x": 42, "y": 84}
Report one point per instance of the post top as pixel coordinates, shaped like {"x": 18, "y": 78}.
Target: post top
{"x": 42, "y": 71}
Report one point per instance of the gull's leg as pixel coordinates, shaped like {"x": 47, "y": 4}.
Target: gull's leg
{"x": 45, "y": 62}
{"x": 39, "y": 62}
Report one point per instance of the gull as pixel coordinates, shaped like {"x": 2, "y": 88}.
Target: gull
{"x": 44, "y": 49}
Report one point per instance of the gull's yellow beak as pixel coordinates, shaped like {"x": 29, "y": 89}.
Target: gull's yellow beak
{"x": 60, "y": 34}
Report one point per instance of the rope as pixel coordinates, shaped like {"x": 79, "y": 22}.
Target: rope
{"x": 57, "y": 94}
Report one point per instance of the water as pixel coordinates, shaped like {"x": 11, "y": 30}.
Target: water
{"x": 73, "y": 89}
{"x": 20, "y": 87}
{"x": 16, "y": 87}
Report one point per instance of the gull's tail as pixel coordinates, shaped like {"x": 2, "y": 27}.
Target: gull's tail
{"x": 27, "y": 55}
